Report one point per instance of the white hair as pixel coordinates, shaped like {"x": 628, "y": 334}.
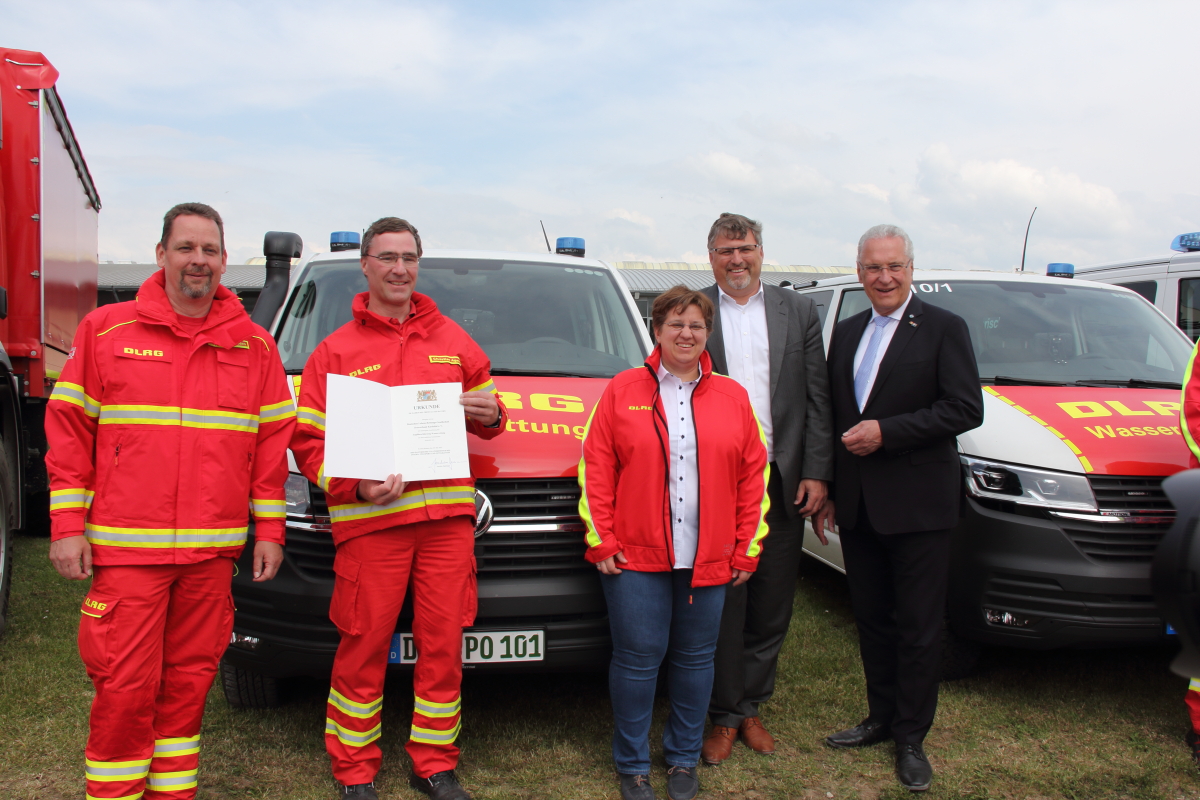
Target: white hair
{"x": 886, "y": 232}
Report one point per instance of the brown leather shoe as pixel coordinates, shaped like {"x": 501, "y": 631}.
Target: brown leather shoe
{"x": 718, "y": 745}
{"x": 756, "y": 737}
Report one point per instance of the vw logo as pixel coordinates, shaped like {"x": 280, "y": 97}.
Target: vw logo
{"x": 483, "y": 513}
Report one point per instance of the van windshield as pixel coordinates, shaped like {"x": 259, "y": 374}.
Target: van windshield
{"x": 1062, "y": 335}
{"x": 530, "y": 318}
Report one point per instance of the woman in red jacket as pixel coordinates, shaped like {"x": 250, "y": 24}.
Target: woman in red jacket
{"x": 674, "y": 479}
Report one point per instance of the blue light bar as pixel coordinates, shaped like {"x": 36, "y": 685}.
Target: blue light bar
{"x": 569, "y": 246}
{"x": 1060, "y": 270}
{"x": 1186, "y": 243}
{"x": 343, "y": 240}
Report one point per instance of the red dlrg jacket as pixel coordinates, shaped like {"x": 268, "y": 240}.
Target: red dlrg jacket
{"x": 163, "y": 442}
{"x": 1189, "y": 412}
{"x": 623, "y": 475}
{"x": 425, "y": 348}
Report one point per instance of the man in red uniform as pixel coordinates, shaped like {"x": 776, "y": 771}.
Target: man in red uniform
{"x": 390, "y": 533}
{"x": 169, "y": 425}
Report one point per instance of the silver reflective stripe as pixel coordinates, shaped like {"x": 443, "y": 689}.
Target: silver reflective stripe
{"x": 116, "y": 770}
{"x": 168, "y": 537}
{"x": 166, "y": 780}
{"x": 110, "y": 414}
{"x": 449, "y": 493}
{"x": 434, "y": 737}
{"x": 351, "y": 737}
{"x": 166, "y": 747}
{"x": 78, "y": 496}
{"x": 240, "y": 421}
{"x": 269, "y": 414}
{"x": 352, "y": 708}
{"x": 417, "y": 499}
{"x": 309, "y": 416}
{"x": 431, "y": 710}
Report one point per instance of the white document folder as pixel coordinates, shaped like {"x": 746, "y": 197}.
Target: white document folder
{"x": 416, "y": 431}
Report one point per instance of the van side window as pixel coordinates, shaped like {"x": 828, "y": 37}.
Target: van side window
{"x": 1147, "y": 289}
{"x": 853, "y": 301}
{"x": 821, "y": 301}
{"x": 1189, "y": 307}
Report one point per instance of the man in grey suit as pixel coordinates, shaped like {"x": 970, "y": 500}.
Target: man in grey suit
{"x": 769, "y": 340}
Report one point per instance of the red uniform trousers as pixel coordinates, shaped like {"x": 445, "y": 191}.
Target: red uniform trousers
{"x": 1192, "y": 700}
{"x": 372, "y": 573}
{"x": 150, "y": 637}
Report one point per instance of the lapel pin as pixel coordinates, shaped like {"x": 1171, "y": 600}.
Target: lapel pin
{"x": 911, "y": 322}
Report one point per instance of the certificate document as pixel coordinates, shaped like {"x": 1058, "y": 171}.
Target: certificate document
{"x": 371, "y": 431}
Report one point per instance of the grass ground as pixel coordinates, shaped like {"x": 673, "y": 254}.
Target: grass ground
{"x": 1077, "y": 725}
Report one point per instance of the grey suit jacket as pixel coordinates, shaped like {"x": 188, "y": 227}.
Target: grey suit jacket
{"x": 801, "y": 410}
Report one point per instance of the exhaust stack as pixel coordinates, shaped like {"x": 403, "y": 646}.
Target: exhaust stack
{"x": 280, "y": 247}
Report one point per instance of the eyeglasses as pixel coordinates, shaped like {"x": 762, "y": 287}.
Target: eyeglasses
{"x": 695, "y": 327}
{"x": 726, "y": 252}
{"x": 875, "y": 270}
{"x": 391, "y": 259}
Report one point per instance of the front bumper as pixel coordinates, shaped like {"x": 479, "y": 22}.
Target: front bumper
{"x": 1040, "y": 570}
{"x": 289, "y": 616}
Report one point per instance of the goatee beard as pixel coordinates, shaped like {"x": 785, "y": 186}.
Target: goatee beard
{"x": 196, "y": 293}
{"x": 739, "y": 283}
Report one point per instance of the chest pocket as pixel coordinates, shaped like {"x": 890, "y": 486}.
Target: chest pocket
{"x": 143, "y": 373}
{"x": 233, "y": 378}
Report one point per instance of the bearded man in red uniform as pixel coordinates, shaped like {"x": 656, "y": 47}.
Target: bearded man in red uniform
{"x": 168, "y": 427}
{"x": 392, "y": 533}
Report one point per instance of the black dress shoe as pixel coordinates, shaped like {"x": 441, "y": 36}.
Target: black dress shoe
{"x": 682, "y": 783}
{"x": 861, "y": 735}
{"x": 912, "y": 767}
{"x": 636, "y": 787}
{"x": 439, "y": 786}
{"x": 357, "y": 791}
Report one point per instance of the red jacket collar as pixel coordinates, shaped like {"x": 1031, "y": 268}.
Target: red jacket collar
{"x": 654, "y": 360}
{"x": 227, "y": 322}
{"x": 422, "y": 314}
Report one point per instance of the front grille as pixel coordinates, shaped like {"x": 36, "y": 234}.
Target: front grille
{"x": 1043, "y": 597}
{"x": 536, "y": 532}
{"x": 1146, "y": 513}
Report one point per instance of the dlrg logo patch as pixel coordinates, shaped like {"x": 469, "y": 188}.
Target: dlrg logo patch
{"x": 133, "y": 351}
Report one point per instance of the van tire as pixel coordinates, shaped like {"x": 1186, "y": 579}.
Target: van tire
{"x": 247, "y": 689}
{"x": 7, "y": 493}
{"x": 960, "y": 657}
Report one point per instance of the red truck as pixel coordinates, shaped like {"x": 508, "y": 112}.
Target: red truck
{"x": 48, "y": 223}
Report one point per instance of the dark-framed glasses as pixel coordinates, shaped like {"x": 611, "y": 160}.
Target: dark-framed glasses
{"x": 726, "y": 252}
{"x": 392, "y": 259}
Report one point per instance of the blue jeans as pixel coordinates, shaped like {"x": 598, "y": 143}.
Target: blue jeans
{"x": 652, "y": 615}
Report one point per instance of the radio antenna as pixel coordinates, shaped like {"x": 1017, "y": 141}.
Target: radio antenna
{"x": 1026, "y": 245}
{"x": 548, "y": 250}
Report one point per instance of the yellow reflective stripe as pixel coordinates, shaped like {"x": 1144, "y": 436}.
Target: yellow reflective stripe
{"x": 489, "y": 386}
{"x": 165, "y": 537}
{"x": 171, "y": 781}
{"x": 352, "y": 708}
{"x": 756, "y": 542}
{"x": 322, "y": 481}
{"x": 351, "y": 737}
{"x": 310, "y": 416}
{"x": 1194, "y": 685}
{"x": 116, "y": 770}
{"x": 264, "y": 342}
{"x": 137, "y": 796}
{"x": 585, "y": 509}
{"x": 182, "y": 746}
{"x": 429, "y": 708}
{"x": 268, "y": 508}
{"x": 277, "y": 411}
{"x": 74, "y": 394}
{"x": 434, "y": 495}
{"x": 114, "y": 327}
{"x": 71, "y": 498}
{"x": 1183, "y": 420}
{"x": 139, "y": 415}
{"x": 431, "y": 736}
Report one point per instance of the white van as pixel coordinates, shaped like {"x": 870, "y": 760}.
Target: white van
{"x": 1063, "y": 505}
{"x": 1170, "y": 282}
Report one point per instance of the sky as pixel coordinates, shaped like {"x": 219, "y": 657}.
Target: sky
{"x": 633, "y": 125}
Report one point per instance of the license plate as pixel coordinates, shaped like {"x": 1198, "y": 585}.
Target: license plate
{"x": 479, "y": 647}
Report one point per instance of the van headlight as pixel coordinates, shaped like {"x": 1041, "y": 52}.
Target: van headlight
{"x": 1027, "y": 486}
{"x": 295, "y": 492}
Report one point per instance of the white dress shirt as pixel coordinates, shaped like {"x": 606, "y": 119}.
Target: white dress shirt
{"x": 888, "y": 332}
{"x": 748, "y": 353}
{"x": 685, "y": 472}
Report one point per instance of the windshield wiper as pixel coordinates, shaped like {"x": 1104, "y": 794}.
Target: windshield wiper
{"x": 1134, "y": 383}
{"x": 1005, "y": 380}
{"x": 543, "y": 373}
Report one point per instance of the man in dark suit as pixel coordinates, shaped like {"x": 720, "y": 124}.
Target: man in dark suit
{"x": 904, "y": 384}
{"x": 769, "y": 340}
